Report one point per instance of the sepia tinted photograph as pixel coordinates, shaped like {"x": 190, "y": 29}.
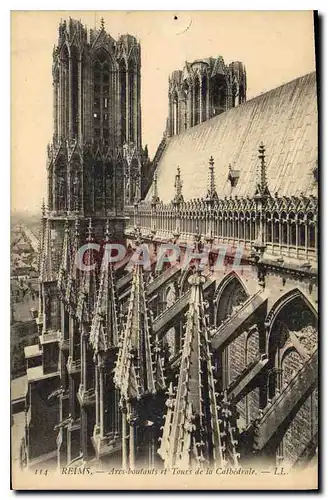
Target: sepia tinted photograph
{"x": 164, "y": 250}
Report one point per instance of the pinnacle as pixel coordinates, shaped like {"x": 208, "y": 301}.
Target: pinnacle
{"x": 43, "y": 208}
{"x": 107, "y": 232}
{"x": 90, "y": 230}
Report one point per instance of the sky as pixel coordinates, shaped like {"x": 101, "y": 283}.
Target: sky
{"x": 275, "y": 46}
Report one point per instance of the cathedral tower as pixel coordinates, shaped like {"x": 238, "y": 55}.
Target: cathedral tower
{"x": 95, "y": 155}
{"x": 94, "y": 170}
{"x": 203, "y": 89}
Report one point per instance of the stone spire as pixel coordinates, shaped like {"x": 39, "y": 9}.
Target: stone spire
{"x": 43, "y": 208}
{"x": 46, "y": 270}
{"x": 42, "y": 235}
{"x": 88, "y": 287}
{"x": 65, "y": 265}
{"x": 194, "y": 434}
{"x": 138, "y": 370}
{"x": 73, "y": 276}
{"x": 138, "y": 373}
{"x": 211, "y": 197}
{"x": 178, "y": 197}
{"x": 211, "y": 190}
{"x": 104, "y": 326}
{"x": 155, "y": 197}
{"x": 262, "y": 190}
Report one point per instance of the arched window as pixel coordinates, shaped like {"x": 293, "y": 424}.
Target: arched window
{"x": 77, "y": 341}
{"x": 251, "y": 354}
{"x": 242, "y": 226}
{"x": 197, "y": 100}
{"x": 131, "y": 100}
{"x": 134, "y": 180}
{"x": 56, "y": 102}
{"x": 204, "y": 94}
{"x": 219, "y": 223}
{"x": 191, "y": 105}
{"x": 175, "y": 114}
{"x": 284, "y": 228}
{"x": 227, "y": 302}
{"x": 65, "y": 87}
{"x": 106, "y": 100}
{"x": 301, "y": 230}
{"x": 275, "y": 221}
{"x": 123, "y": 100}
{"x": 96, "y": 98}
{"x": 225, "y": 225}
{"x": 223, "y": 97}
{"x": 109, "y": 186}
{"x": 60, "y": 184}
{"x": 186, "y": 107}
{"x": 247, "y": 226}
{"x": 219, "y": 95}
{"x": 98, "y": 186}
{"x": 75, "y": 93}
{"x": 293, "y": 331}
{"x": 102, "y": 87}
{"x": 292, "y": 229}
{"x": 253, "y": 226}
{"x": 50, "y": 188}
{"x": 268, "y": 227}
{"x": 236, "y": 224}
{"x": 203, "y": 223}
{"x": 310, "y": 230}
{"x": 230, "y": 225}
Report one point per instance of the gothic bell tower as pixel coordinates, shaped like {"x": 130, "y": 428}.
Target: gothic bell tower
{"x": 94, "y": 169}
{"x": 95, "y": 156}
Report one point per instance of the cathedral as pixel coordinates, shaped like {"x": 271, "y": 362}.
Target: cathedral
{"x": 212, "y": 365}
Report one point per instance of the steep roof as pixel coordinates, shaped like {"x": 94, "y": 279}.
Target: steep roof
{"x": 284, "y": 119}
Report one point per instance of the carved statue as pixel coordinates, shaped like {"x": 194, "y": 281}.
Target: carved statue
{"x": 76, "y": 190}
{"x": 127, "y": 190}
{"x": 109, "y": 190}
{"x": 61, "y": 193}
{"x": 47, "y": 302}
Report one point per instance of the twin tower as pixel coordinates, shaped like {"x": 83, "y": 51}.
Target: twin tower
{"x": 96, "y": 164}
{"x": 203, "y": 89}
{"x": 95, "y": 159}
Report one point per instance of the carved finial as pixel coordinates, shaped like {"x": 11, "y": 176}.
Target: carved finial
{"x": 43, "y": 209}
{"x": 178, "y": 198}
{"x": 211, "y": 191}
{"x": 90, "y": 230}
{"x": 262, "y": 172}
{"x": 198, "y": 241}
{"x": 107, "y": 232}
{"x": 262, "y": 189}
{"x": 102, "y": 24}
{"x": 77, "y": 228}
{"x": 155, "y": 197}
